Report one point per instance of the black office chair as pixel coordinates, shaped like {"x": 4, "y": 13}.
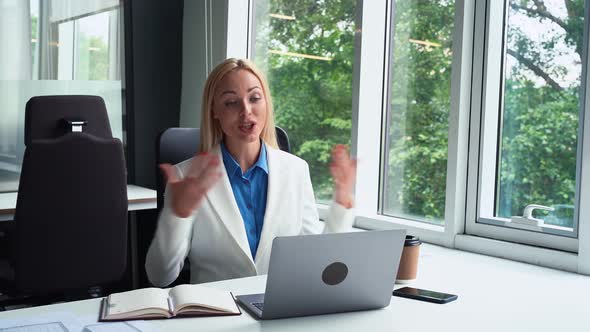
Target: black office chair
{"x": 178, "y": 144}
{"x": 283, "y": 139}
{"x": 71, "y": 210}
{"x": 173, "y": 146}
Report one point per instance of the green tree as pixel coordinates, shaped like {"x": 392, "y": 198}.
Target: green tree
{"x": 93, "y": 59}
{"x": 419, "y": 108}
{"x": 541, "y": 107}
{"x": 313, "y": 101}
{"x": 538, "y": 162}
{"x": 312, "y": 98}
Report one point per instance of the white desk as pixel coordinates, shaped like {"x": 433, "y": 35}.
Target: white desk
{"x": 139, "y": 199}
{"x": 494, "y": 295}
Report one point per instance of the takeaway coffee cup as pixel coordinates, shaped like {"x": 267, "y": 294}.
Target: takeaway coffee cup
{"x": 408, "y": 265}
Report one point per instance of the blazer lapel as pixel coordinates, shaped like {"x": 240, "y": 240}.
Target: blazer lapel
{"x": 271, "y": 215}
{"x": 223, "y": 202}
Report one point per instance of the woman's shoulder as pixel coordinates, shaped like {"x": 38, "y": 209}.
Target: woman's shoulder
{"x": 286, "y": 159}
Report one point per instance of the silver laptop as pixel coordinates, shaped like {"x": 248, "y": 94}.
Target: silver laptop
{"x": 328, "y": 273}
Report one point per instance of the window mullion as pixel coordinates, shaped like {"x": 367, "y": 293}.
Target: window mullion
{"x": 475, "y": 125}
{"x": 584, "y": 172}
{"x": 456, "y": 184}
{"x": 491, "y": 104}
{"x": 367, "y": 104}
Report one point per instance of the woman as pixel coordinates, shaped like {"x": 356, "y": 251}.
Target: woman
{"x": 224, "y": 206}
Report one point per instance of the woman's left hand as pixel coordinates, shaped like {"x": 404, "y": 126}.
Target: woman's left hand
{"x": 343, "y": 169}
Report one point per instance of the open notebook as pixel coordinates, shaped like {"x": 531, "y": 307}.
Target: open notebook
{"x": 181, "y": 301}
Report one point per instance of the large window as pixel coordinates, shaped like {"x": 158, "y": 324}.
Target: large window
{"x": 419, "y": 104}
{"x": 539, "y": 134}
{"x": 465, "y": 115}
{"x": 55, "y": 47}
{"x": 306, "y": 48}
{"x": 531, "y": 110}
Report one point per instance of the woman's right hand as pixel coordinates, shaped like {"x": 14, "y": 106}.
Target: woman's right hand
{"x": 188, "y": 192}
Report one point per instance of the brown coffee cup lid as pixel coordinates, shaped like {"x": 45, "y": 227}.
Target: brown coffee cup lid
{"x": 412, "y": 240}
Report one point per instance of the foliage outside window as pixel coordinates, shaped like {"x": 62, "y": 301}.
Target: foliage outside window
{"x": 306, "y": 48}
{"x": 93, "y": 48}
{"x": 420, "y": 86}
{"x": 539, "y": 134}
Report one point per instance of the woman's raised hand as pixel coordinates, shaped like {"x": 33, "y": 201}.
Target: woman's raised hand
{"x": 188, "y": 192}
{"x": 343, "y": 169}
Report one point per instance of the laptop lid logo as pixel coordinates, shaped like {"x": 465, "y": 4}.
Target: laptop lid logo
{"x": 335, "y": 273}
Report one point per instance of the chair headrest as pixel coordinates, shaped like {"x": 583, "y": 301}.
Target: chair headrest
{"x": 45, "y": 116}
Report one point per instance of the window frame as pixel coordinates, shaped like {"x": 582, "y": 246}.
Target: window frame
{"x": 584, "y": 182}
{"x": 369, "y": 209}
{"x": 486, "y": 107}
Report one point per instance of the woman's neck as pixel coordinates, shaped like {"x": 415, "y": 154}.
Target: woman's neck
{"x": 244, "y": 153}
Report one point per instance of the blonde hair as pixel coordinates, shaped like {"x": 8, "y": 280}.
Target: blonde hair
{"x": 211, "y": 133}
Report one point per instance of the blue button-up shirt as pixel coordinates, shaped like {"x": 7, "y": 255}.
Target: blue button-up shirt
{"x": 250, "y": 193}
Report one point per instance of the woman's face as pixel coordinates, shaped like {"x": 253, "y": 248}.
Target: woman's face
{"x": 240, "y": 106}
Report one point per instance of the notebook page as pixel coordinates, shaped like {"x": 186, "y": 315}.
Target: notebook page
{"x": 138, "y": 299}
{"x": 183, "y": 295}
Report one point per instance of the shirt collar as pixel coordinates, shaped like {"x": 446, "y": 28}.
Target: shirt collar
{"x": 262, "y": 162}
{"x": 232, "y": 166}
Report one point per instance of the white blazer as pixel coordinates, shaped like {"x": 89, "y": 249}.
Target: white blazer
{"x": 214, "y": 237}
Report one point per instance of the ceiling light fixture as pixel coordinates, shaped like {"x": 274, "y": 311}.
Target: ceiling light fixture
{"x": 424, "y": 42}
{"x": 282, "y": 17}
{"x": 300, "y": 55}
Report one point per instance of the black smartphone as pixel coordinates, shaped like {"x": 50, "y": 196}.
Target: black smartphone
{"x": 424, "y": 295}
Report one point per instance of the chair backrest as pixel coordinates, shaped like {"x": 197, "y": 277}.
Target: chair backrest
{"x": 173, "y": 146}
{"x": 178, "y": 144}
{"x": 71, "y": 211}
{"x": 283, "y": 139}
{"x": 46, "y": 116}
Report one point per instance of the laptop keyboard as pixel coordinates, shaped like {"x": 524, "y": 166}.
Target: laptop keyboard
{"x": 258, "y": 305}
